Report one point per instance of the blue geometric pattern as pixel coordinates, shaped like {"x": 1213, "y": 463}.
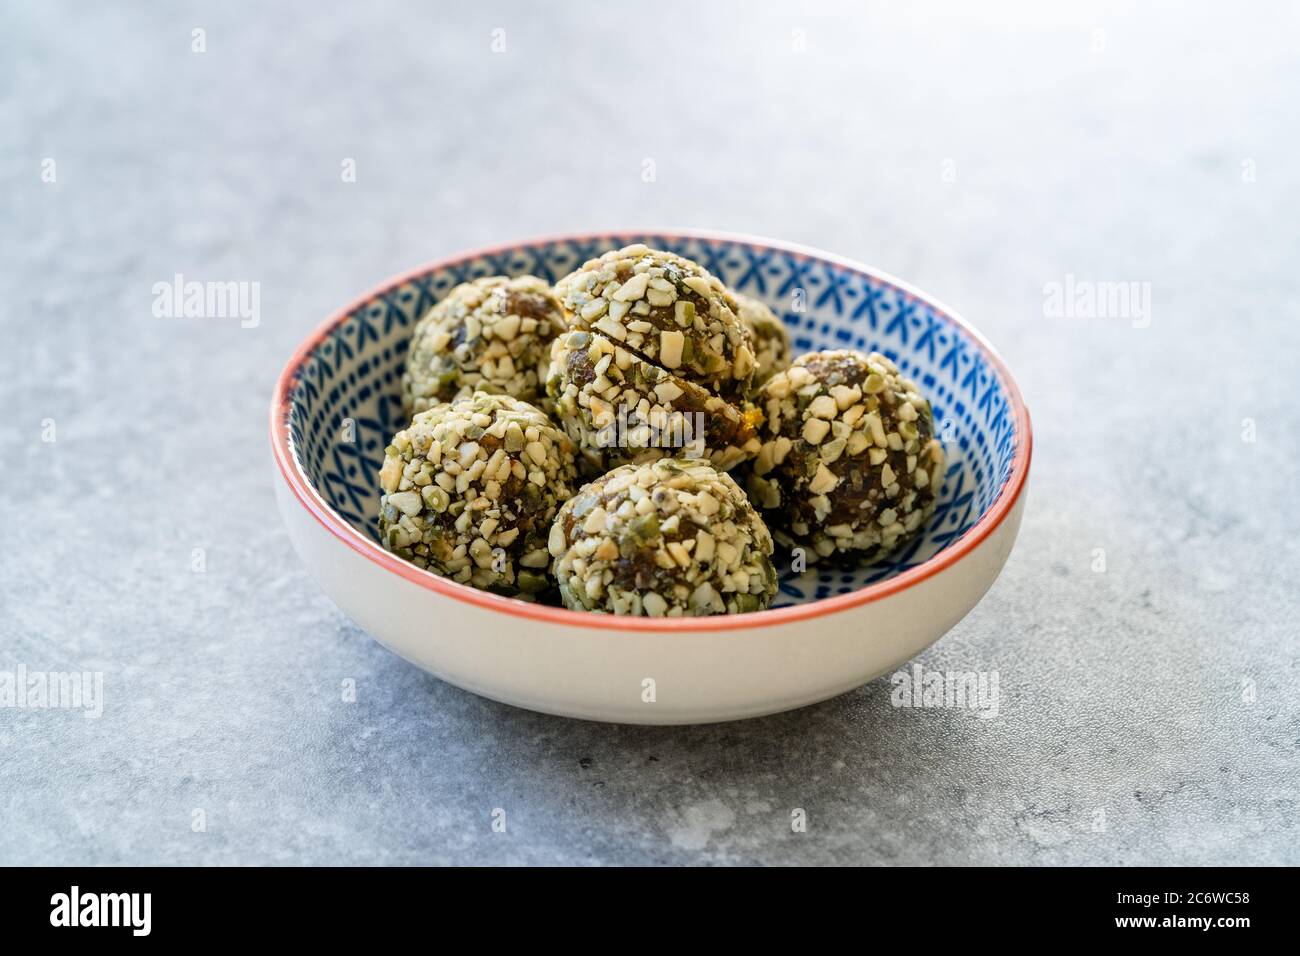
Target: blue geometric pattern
{"x": 346, "y": 405}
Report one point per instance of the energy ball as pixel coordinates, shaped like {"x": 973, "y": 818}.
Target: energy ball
{"x": 470, "y": 489}
{"x": 620, "y": 409}
{"x": 492, "y": 335}
{"x": 651, "y": 327}
{"x": 849, "y": 461}
{"x": 771, "y": 340}
{"x": 670, "y": 538}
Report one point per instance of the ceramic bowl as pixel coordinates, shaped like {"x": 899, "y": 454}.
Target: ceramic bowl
{"x": 830, "y": 630}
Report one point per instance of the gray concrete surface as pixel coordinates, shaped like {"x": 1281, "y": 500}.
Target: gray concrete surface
{"x": 1149, "y": 710}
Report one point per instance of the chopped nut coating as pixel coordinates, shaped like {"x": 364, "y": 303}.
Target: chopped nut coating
{"x": 492, "y": 334}
{"x": 672, "y": 537}
{"x": 849, "y": 462}
{"x": 470, "y": 490}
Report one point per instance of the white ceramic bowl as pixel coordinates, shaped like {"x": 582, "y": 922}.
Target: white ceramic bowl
{"x": 830, "y": 630}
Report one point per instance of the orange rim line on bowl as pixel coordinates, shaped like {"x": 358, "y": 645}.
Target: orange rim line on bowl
{"x": 333, "y": 522}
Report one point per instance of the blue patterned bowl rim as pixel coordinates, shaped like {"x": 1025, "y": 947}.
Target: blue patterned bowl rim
{"x": 295, "y": 477}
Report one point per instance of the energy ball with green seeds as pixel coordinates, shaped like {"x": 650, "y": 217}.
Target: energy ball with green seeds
{"x": 670, "y": 538}
{"x": 849, "y": 462}
{"x": 771, "y": 339}
{"x": 492, "y": 334}
{"x": 667, "y": 309}
{"x": 619, "y": 409}
{"x": 470, "y": 490}
{"x": 640, "y": 310}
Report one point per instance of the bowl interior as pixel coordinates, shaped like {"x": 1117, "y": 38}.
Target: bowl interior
{"x": 345, "y": 403}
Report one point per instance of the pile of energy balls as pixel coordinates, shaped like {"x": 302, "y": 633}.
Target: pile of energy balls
{"x": 677, "y": 403}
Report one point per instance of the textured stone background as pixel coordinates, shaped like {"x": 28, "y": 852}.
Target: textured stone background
{"x": 1124, "y": 154}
